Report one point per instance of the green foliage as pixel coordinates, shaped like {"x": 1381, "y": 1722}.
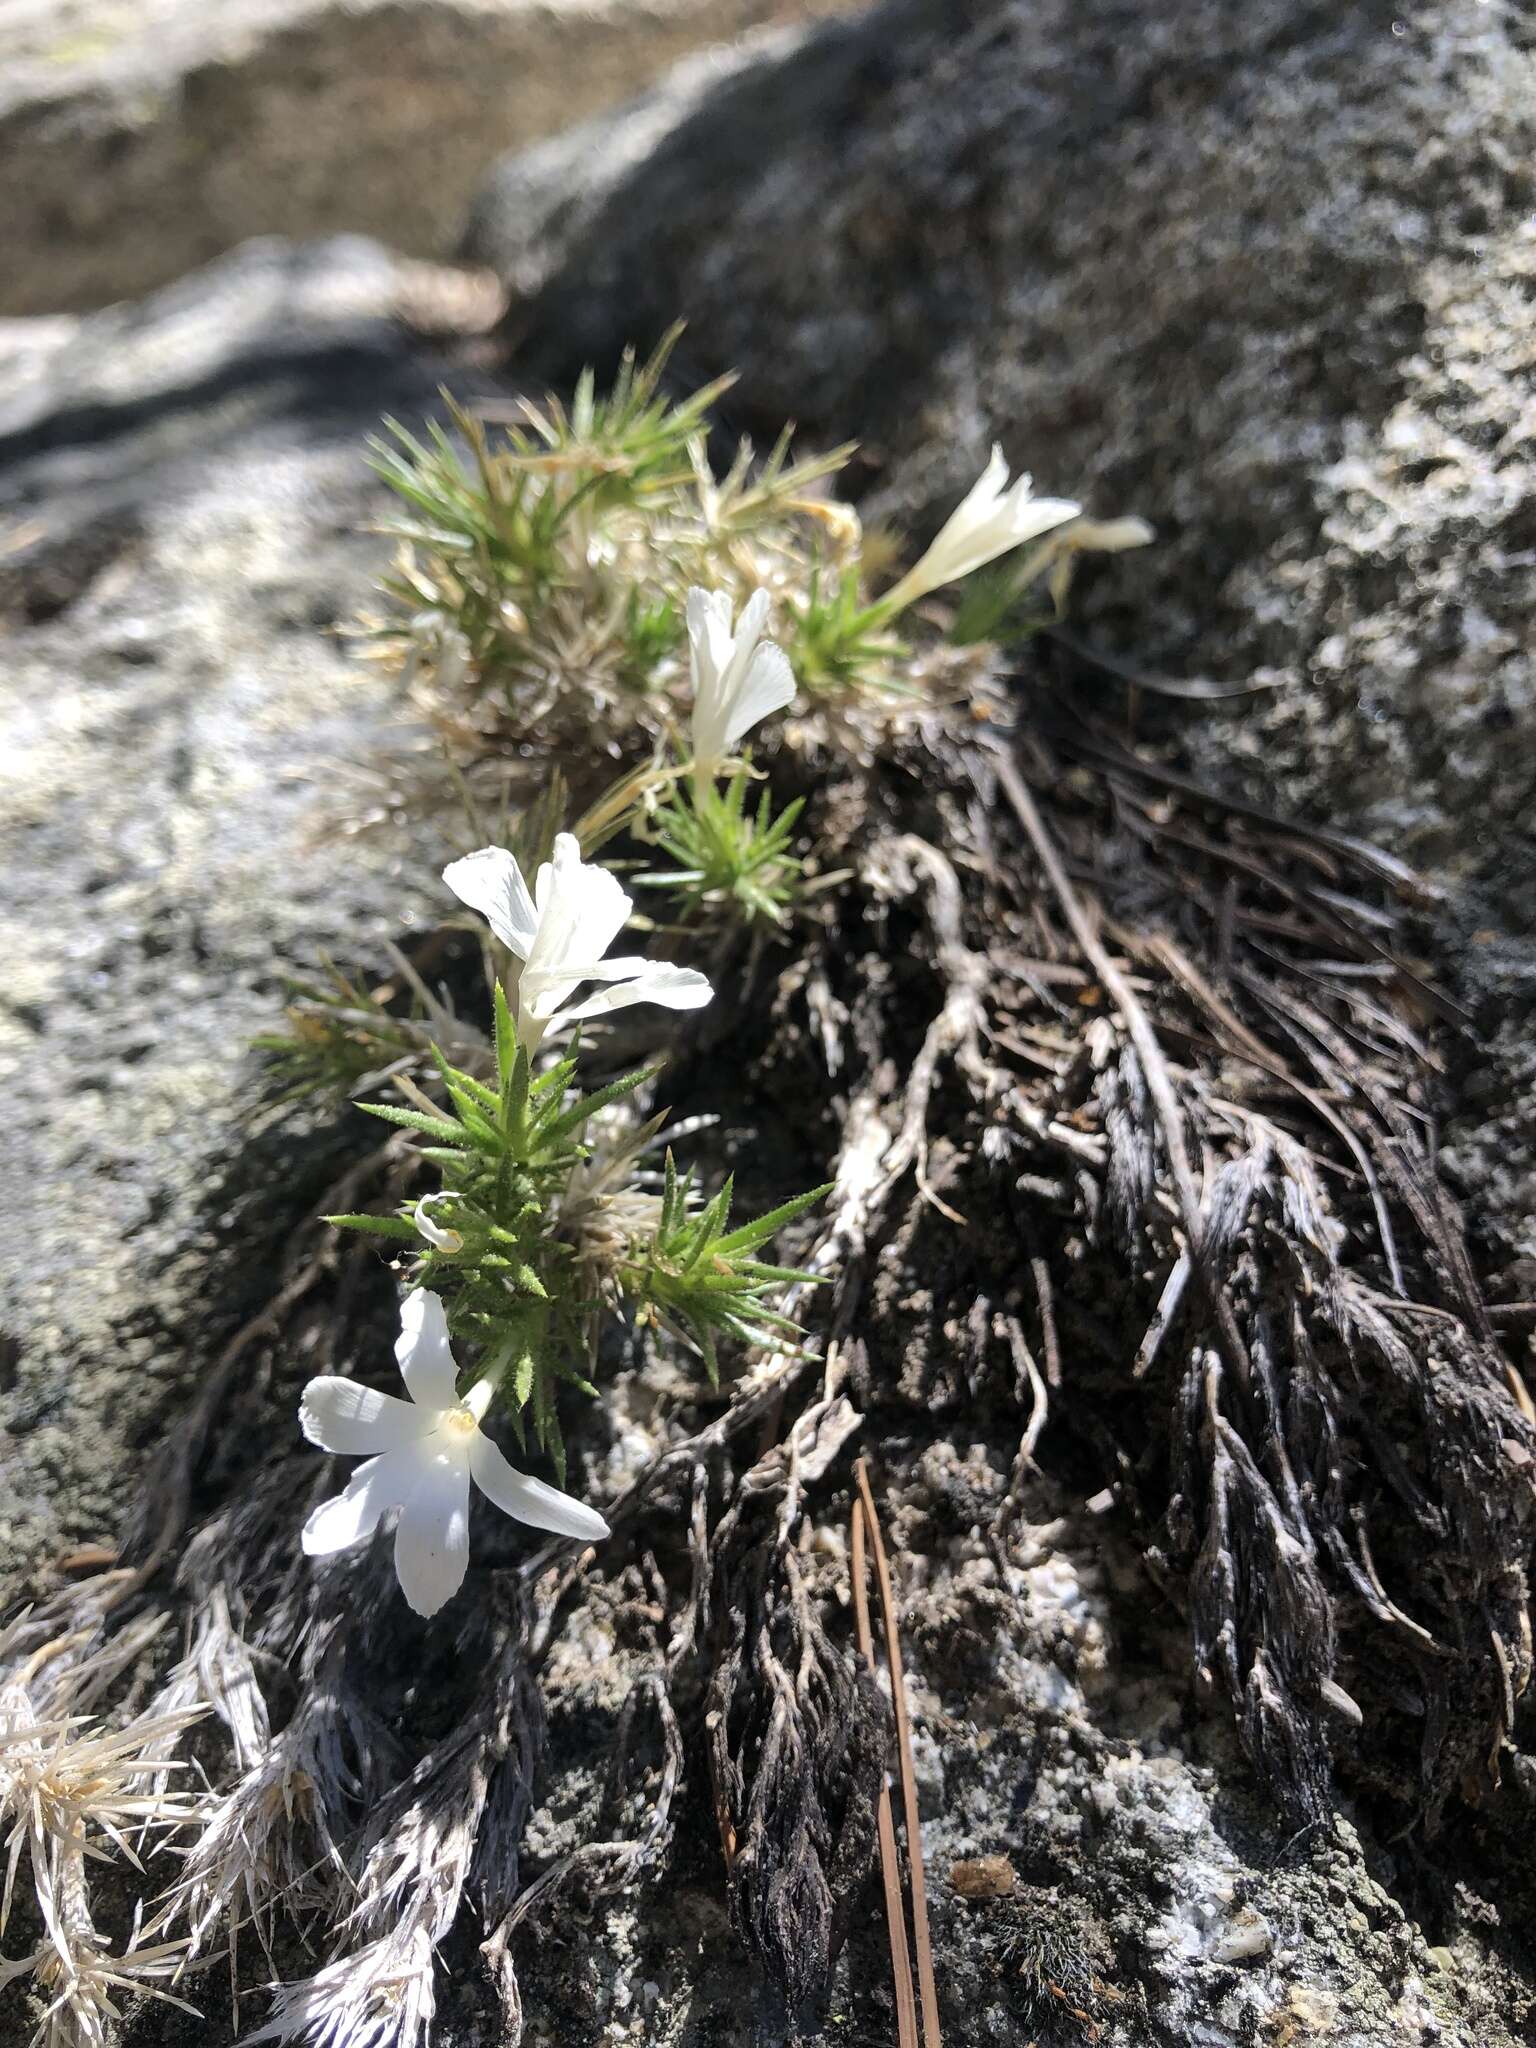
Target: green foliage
{"x": 504, "y": 1154}
{"x": 627, "y": 443}
{"x": 336, "y": 1039}
{"x": 544, "y": 566}
{"x": 1015, "y": 598}
{"x": 1003, "y": 604}
{"x": 518, "y": 1276}
{"x": 489, "y": 528}
{"x": 725, "y": 854}
{"x": 653, "y": 633}
{"x": 752, "y": 497}
{"x": 838, "y": 646}
{"x": 699, "y": 1278}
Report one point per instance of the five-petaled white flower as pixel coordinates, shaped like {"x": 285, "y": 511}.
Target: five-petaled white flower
{"x": 560, "y": 934}
{"x": 736, "y": 681}
{"x": 422, "y": 1455}
{"x": 991, "y": 518}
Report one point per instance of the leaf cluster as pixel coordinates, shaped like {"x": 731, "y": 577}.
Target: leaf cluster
{"x": 699, "y": 1276}
{"x": 545, "y": 561}
{"x": 727, "y": 855}
{"x": 838, "y": 645}
{"x": 504, "y": 1155}
{"x": 336, "y": 1038}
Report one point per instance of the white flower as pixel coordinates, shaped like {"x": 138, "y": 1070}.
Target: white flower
{"x": 736, "y": 682}
{"x": 422, "y": 1455}
{"x": 991, "y": 518}
{"x": 560, "y": 934}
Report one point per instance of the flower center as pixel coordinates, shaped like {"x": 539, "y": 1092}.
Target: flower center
{"x": 459, "y": 1421}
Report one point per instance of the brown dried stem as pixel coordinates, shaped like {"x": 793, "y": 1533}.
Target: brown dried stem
{"x": 1138, "y": 1024}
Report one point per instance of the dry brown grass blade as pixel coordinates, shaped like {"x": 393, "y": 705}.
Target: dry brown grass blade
{"x": 890, "y": 1868}
{"x": 1159, "y": 947}
{"x": 922, "y": 1946}
{"x": 1143, "y": 1036}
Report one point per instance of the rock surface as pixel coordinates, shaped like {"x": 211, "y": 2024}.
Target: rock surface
{"x": 183, "y": 498}
{"x": 139, "y": 138}
{"x": 1255, "y": 273}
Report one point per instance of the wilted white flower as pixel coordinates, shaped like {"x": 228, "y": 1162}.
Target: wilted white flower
{"x": 991, "y": 518}
{"x": 736, "y": 681}
{"x": 560, "y": 934}
{"x": 422, "y": 1455}
{"x": 1107, "y": 536}
{"x": 1091, "y": 537}
{"x": 442, "y": 1237}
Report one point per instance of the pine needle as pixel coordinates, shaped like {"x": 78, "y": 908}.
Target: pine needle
{"x": 922, "y": 1946}
{"x": 890, "y": 1865}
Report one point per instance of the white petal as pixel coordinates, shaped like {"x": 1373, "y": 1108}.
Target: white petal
{"x": 768, "y": 685}
{"x": 530, "y": 1500}
{"x": 617, "y": 967}
{"x": 993, "y": 517}
{"x": 719, "y": 660}
{"x": 432, "y": 1541}
{"x": 675, "y": 988}
{"x": 707, "y": 729}
{"x": 442, "y": 1237}
{"x": 981, "y": 499}
{"x": 347, "y": 1517}
{"x": 491, "y": 882}
{"x": 355, "y": 1421}
{"x": 709, "y": 633}
{"x": 423, "y": 1352}
{"x": 1031, "y": 517}
{"x": 582, "y": 909}
{"x": 1110, "y": 536}
{"x": 754, "y": 616}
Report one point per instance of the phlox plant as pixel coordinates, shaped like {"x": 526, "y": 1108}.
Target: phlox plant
{"x": 568, "y": 584}
{"x": 540, "y": 590}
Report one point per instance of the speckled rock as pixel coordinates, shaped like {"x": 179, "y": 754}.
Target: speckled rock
{"x": 183, "y": 501}
{"x": 1150, "y": 1900}
{"x": 1167, "y": 259}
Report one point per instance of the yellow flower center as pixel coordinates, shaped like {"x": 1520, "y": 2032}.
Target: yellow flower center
{"x": 459, "y": 1421}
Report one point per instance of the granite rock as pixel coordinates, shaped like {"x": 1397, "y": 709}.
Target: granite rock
{"x": 139, "y": 138}
{"x": 184, "y": 505}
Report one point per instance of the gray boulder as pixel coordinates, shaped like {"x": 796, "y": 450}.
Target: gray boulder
{"x": 184, "y": 500}
{"x": 139, "y": 140}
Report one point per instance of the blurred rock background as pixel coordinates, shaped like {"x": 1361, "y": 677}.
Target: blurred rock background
{"x": 139, "y": 138}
